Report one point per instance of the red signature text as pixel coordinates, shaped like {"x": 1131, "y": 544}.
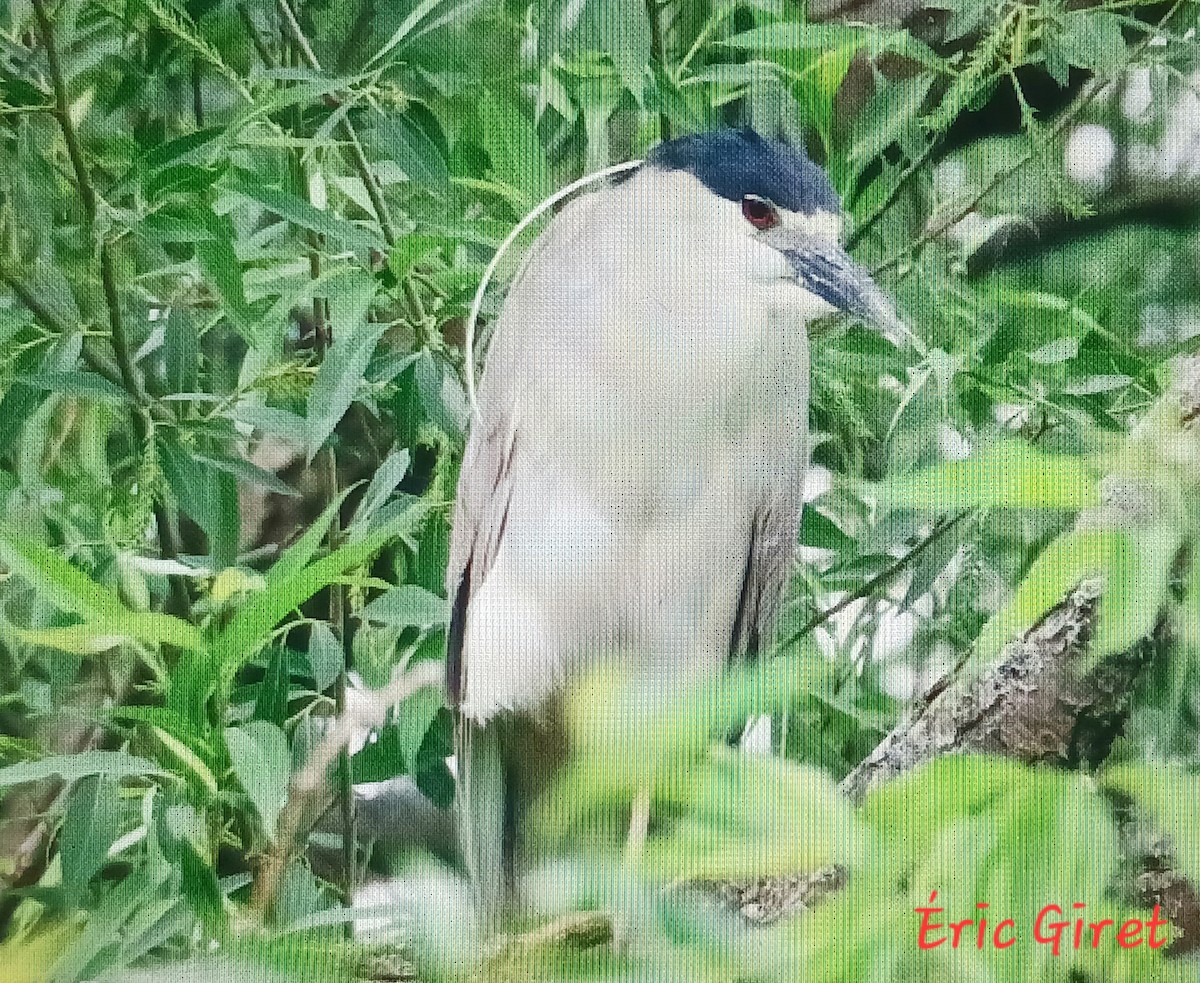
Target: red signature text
{"x": 1052, "y": 927}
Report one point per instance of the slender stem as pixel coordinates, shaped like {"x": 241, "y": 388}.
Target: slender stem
{"x": 44, "y": 316}
{"x": 331, "y": 492}
{"x": 87, "y": 195}
{"x": 337, "y": 623}
{"x": 358, "y": 156}
{"x": 198, "y": 92}
{"x": 127, "y": 372}
{"x": 62, "y": 111}
{"x": 658, "y": 55}
{"x": 98, "y": 362}
{"x": 881, "y": 578}
{"x": 413, "y": 297}
{"x": 130, "y": 377}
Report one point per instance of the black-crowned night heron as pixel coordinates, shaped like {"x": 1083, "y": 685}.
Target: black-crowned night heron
{"x": 632, "y": 485}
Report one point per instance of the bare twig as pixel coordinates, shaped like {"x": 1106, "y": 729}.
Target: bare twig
{"x": 309, "y": 793}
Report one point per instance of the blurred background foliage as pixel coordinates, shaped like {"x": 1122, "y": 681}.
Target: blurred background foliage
{"x": 238, "y": 240}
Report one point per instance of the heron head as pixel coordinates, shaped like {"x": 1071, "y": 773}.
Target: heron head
{"x": 767, "y": 207}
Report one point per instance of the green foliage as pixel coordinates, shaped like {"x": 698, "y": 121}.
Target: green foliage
{"x": 237, "y": 246}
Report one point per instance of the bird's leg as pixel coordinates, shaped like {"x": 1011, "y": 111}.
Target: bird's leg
{"x": 639, "y": 825}
{"x": 635, "y": 842}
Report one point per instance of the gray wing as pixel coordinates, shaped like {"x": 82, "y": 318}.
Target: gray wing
{"x": 770, "y": 558}
{"x": 485, "y": 485}
{"x": 481, "y": 506}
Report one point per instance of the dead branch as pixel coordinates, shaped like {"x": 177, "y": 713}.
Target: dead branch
{"x": 309, "y": 792}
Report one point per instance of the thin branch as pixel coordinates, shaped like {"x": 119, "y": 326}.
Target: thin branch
{"x": 198, "y": 92}
{"x": 43, "y": 315}
{"x": 881, "y": 578}
{"x": 87, "y": 195}
{"x": 331, "y": 492}
{"x": 130, "y": 379}
{"x": 309, "y": 794}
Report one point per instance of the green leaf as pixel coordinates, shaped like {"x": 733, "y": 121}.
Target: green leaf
{"x": 91, "y": 823}
{"x": 796, "y": 36}
{"x": 1136, "y": 570}
{"x": 165, "y": 718}
{"x": 409, "y": 251}
{"x": 407, "y": 606}
{"x": 85, "y": 384}
{"x": 181, "y": 351}
{"x": 72, "y": 767}
{"x": 187, "y": 763}
{"x": 624, "y": 743}
{"x": 198, "y": 882}
{"x": 408, "y": 26}
{"x": 209, "y": 496}
{"x": 258, "y": 753}
{"x": 1005, "y": 474}
{"x": 300, "y": 213}
{"x": 297, "y": 556}
{"x": 1095, "y": 384}
{"x": 513, "y": 147}
{"x": 193, "y": 680}
{"x": 68, "y": 587}
{"x": 1188, "y": 626}
{"x": 892, "y": 112}
{"x": 385, "y": 480}
{"x": 1053, "y": 352}
{"x": 430, "y": 772}
{"x": 1136, "y": 588}
{"x": 325, "y": 656}
{"x": 251, "y": 626}
{"x": 221, "y": 268}
{"x": 618, "y": 29}
{"x": 107, "y": 620}
{"x": 271, "y": 698}
{"x": 751, "y": 816}
{"x": 247, "y": 471}
{"x": 1092, "y": 39}
{"x": 399, "y": 138}
{"x": 102, "y": 634}
{"x": 341, "y": 372}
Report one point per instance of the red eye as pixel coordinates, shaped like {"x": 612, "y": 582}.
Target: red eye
{"x": 759, "y": 213}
